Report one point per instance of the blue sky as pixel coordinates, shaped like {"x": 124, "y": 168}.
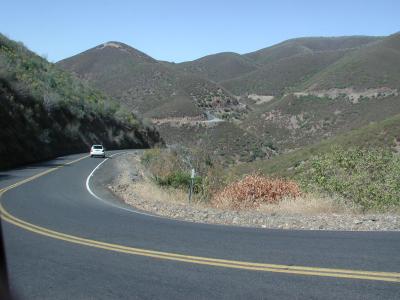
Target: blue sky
{"x": 186, "y": 30}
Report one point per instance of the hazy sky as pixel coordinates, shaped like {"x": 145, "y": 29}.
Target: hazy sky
{"x": 186, "y": 30}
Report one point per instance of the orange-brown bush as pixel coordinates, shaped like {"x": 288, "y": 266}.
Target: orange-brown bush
{"x": 253, "y": 190}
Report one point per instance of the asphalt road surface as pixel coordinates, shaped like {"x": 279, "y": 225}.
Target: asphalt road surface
{"x": 64, "y": 242}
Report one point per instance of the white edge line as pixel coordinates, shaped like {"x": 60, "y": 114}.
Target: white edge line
{"x": 108, "y": 202}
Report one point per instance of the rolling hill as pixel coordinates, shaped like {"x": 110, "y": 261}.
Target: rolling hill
{"x": 291, "y": 63}
{"x": 288, "y": 95}
{"x": 144, "y": 84}
{"x": 274, "y": 70}
{"x": 316, "y": 98}
{"x": 305, "y": 45}
{"x": 219, "y": 67}
{"x": 373, "y": 66}
{"x": 278, "y": 77}
{"x": 177, "y": 101}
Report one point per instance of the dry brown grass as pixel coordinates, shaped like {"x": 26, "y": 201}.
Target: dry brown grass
{"x": 254, "y": 190}
{"x": 307, "y": 204}
{"x": 148, "y": 190}
{"x": 304, "y": 204}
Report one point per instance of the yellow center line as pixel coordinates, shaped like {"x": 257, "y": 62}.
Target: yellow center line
{"x": 299, "y": 270}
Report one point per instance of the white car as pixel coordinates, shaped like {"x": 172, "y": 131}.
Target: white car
{"x": 97, "y": 150}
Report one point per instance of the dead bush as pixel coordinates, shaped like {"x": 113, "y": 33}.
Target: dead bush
{"x": 254, "y": 190}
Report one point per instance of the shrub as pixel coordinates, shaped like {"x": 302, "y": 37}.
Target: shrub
{"x": 369, "y": 178}
{"x": 171, "y": 168}
{"x": 253, "y": 190}
{"x": 180, "y": 180}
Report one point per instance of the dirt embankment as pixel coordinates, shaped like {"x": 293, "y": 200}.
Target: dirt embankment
{"x": 135, "y": 188}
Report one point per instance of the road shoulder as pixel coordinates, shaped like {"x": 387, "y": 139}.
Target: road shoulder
{"x": 127, "y": 181}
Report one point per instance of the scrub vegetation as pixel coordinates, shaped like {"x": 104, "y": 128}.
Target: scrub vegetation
{"x": 362, "y": 166}
{"x": 369, "y": 178}
{"x": 46, "y": 112}
{"x": 213, "y": 185}
{"x": 356, "y": 179}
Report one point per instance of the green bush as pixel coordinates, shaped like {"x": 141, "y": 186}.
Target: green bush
{"x": 180, "y": 180}
{"x": 369, "y": 178}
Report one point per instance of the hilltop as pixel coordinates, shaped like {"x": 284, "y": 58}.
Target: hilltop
{"x": 305, "y": 45}
{"x": 374, "y": 66}
{"x": 144, "y": 84}
{"x": 277, "y": 77}
{"x": 274, "y": 70}
{"x": 219, "y": 67}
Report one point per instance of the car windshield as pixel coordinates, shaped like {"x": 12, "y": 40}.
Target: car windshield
{"x": 98, "y": 147}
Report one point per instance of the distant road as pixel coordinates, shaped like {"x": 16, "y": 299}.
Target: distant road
{"x": 65, "y": 242}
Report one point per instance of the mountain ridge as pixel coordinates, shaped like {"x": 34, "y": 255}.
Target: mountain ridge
{"x": 298, "y": 91}
{"x": 142, "y": 83}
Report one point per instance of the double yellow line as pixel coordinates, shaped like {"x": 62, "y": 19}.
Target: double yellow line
{"x": 299, "y": 270}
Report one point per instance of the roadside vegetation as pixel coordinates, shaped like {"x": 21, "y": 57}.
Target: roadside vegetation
{"x": 254, "y": 190}
{"x": 337, "y": 179}
{"x": 46, "y": 112}
{"x": 171, "y": 168}
{"x": 215, "y": 186}
{"x": 368, "y": 178}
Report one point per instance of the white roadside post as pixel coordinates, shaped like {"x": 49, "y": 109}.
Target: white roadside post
{"x": 191, "y": 184}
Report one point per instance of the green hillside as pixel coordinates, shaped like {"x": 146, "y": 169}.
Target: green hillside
{"x": 277, "y": 77}
{"x": 276, "y": 69}
{"x": 291, "y": 122}
{"x": 383, "y": 134}
{"x": 224, "y": 141}
{"x": 46, "y": 112}
{"x": 306, "y": 45}
{"x": 367, "y": 90}
{"x": 220, "y": 66}
{"x": 376, "y": 65}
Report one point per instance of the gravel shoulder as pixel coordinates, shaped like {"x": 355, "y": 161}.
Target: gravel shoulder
{"x": 132, "y": 187}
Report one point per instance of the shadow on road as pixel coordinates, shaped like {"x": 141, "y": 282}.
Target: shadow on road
{"x": 40, "y": 165}
{"x": 5, "y": 177}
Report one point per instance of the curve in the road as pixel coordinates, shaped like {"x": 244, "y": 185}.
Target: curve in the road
{"x": 299, "y": 270}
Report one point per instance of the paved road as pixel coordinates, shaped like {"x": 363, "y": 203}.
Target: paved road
{"x": 88, "y": 261}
